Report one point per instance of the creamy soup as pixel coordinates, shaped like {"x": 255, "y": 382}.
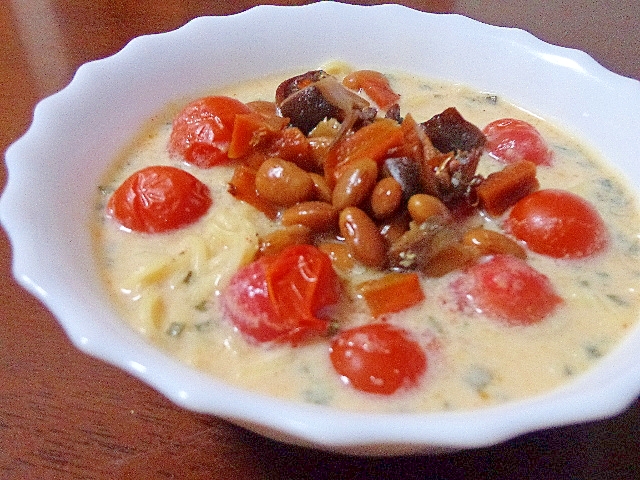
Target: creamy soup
{"x": 168, "y": 286}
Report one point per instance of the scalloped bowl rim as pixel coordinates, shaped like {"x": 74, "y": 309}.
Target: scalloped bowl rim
{"x": 62, "y": 146}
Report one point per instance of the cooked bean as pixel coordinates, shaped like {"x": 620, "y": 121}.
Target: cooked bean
{"x": 355, "y": 183}
{"x": 453, "y": 257}
{"x": 283, "y": 182}
{"x": 278, "y": 240}
{"x": 490, "y": 242}
{"x": 321, "y": 190}
{"x": 422, "y": 207}
{"x": 361, "y": 235}
{"x": 318, "y": 216}
{"x": 386, "y": 197}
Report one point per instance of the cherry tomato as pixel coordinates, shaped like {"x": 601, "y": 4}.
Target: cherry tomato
{"x": 378, "y": 358}
{"x": 511, "y": 140}
{"x": 158, "y": 199}
{"x": 201, "y": 133}
{"x": 282, "y": 298}
{"x": 506, "y": 288}
{"x": 558, "y": 223}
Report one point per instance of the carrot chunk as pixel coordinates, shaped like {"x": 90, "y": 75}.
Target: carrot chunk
{"x": 374, "y": 141}
{"x": 251, "y": 130}
{"x": 502, "y": 189}
{"x": 392, "y": 293}
{"x": 243, "y": 187}
{"x": 374, "y": 84}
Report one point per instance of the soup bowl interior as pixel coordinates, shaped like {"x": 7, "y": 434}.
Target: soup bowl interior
{"x": 54, "y": 170}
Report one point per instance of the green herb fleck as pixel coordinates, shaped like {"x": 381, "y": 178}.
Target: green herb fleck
{"x": 317, "y": 395}
{"x": 203, "y": 326}
{"x": 593, "y": 351}
{"x": 478, "y": 377}
{"x": 203, "y": 306}
{"x": 617, "y": 299}
{"x": 175, "y": 329}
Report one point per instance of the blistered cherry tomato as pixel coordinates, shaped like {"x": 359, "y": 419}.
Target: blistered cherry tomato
{"x": 201, "y": 133}
{"x": 506, "y": 288}
{"x": 558, "y": 223}
{"x": 158, "y": 199}
{"x": 378, "y": 358}
{"x": 510, "y": 140}
{"x": 282, "y": 298}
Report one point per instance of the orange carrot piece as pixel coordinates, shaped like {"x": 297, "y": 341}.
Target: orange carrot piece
{"x": 374, "y": 84}
{"x": 392, "y": 293}
{"x": 502, "y": 189}
{"x": 374, "y": 141}
{"x": 251, "y": 130}
{"x": 292, "y": 145}
{"x": 243, "y": 187}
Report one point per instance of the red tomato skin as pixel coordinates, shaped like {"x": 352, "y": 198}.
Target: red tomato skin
{"x": 559, "y": 224}
{"x": 202, "y": 131}
{"x": 266, "y": 306}
{"x": 508, "y": 289}
{"x": 511, "y": 140}
{"x": 378, "y": 358}
{"x": 158, "y": 199}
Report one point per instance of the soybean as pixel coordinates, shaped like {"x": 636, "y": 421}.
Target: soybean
{"x": 362, "y": 237}
{"x": 316, "y": 215}
{"x": 490, "y": 242}
{"x": 278, "y": 240}
{"x": 283, "y": 182}
{"x": 355, "y": 183}
{"x": 386, "y": 197}
{"x": 422, "y": 207}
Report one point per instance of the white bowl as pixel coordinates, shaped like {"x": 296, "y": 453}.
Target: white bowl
{"x": 76, "y": 133}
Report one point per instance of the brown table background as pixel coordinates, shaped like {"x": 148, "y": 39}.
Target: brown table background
{"x": 66, "y": 415}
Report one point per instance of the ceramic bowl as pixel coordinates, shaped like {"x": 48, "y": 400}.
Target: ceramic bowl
{"x": 76, "y": 134}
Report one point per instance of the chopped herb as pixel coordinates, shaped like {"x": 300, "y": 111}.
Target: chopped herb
{"x": 634, "y": 248}
{"x": 203, "y": 326}
{"x": 478, "y": 377}
{"x": 202, "y": 306}
{"x": 617, "y": 299}
{"x": 435, "y": 323}
{"x": 317, "y": 395}
{"x": 593, "y": 351}
{"x": 175, "y": 329}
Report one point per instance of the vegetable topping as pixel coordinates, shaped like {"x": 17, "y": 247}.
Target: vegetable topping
{"x": 158, "y": 199}
{"x": 346, "y": 186}
{"x": 282, "y": 298}
{"x": 378, "y": 358}
{"x": 506, "y": 288}
{"x": 559, "y": 224}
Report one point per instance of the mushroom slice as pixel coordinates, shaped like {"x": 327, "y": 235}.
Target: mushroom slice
{"x": 314, "y": 96}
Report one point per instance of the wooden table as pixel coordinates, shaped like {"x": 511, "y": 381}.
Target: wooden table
{"x": 66, "y": 415}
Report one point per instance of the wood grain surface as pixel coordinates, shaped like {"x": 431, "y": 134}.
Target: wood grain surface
{"x": 66, "y": 415}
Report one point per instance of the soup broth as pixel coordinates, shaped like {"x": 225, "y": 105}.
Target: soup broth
{"x": 168, "y": 286}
